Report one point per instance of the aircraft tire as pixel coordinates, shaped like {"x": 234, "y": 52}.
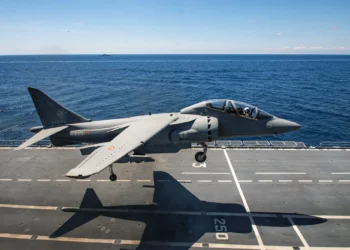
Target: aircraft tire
{"x": 113, "y": 177}
{"x": 200, "y": 157}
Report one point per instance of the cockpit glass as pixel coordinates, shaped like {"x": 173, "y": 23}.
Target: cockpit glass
{"x": 246, "y": 110}
{"x": 230, "y": 108}
{"x": 263, "y": 115}
{"x": 239, "y": 108}
{"x": 216, "y": 104}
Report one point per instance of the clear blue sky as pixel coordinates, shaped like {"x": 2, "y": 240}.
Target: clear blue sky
{"x": 156, "y": 27}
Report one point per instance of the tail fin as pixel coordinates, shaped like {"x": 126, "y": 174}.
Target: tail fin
{"x": 52, "y": 113}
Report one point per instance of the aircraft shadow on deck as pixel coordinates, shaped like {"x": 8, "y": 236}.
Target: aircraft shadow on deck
{"x": 162, "y": 226}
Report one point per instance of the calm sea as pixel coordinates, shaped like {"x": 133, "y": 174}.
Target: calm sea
{"x": 313, "y": 90}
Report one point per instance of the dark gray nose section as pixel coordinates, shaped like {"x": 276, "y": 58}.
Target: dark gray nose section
{"x": 280, "y": 126}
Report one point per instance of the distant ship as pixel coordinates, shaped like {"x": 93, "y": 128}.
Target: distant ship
{"x": 105, "y": 55}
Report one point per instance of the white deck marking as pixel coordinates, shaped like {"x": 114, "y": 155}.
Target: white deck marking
{"x": 204, "y": 181}
{"x": 5, "y": 179}
{"x": 264, "y": 180}
{"x": 203, "y": 173}
{"x": 280, "y": 173}
{"x": 224, "y": 180}
{"x": 27, "y": 207}
{"x": 104, "y": 180}
{"x": 43, "y": 179}
{"x": 285, "y": 181}
{"x": 325, "y": 181}
{"x": 8, "y": 128}
{"x": 251, "y": 219}
{"x": 342, "y": 173}
{"x": 24, "y": 180}
{"x": 245, "y": 181}
{"x": 296, "y": 229}
{"x": 62, "y": 180}
{"x": 304, "y": 180}
{"x": 344, "y": 180}
{"x": 142, "y": 180}
{"x": 185, "y": 181}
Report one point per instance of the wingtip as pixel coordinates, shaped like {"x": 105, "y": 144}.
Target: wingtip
{"x": 75, "y": 175}
{"x": 71, "y": 173}
{"x": 19, "y": 148}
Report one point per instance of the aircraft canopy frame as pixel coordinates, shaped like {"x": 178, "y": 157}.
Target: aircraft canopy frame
{"x": 238, "y": 108}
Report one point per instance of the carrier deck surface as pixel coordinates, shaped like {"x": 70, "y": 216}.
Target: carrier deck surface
{"x": 238, "y": 199}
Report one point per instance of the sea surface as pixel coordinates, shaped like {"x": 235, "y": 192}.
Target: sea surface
{"x": 312, "y": 90}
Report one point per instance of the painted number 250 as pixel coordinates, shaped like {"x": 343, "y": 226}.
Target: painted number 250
{"x": 220, "y": 228}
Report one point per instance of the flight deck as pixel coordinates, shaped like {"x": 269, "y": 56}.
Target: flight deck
{"x": 240, "y": 198}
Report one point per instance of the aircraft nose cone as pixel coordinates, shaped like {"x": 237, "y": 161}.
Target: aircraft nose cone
{"x": 280, "y": 126}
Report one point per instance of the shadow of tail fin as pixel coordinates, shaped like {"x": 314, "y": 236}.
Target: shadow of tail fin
{"x": 50, "y": 112}
{"x": 90, "y": 200}
{"x": 81, "y": 216}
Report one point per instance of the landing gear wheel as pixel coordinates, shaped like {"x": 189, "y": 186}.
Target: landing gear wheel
{"x": 113, "y": 177}
{"x": 200, "y": 157}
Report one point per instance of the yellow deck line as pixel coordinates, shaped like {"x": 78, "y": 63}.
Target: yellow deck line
{"x": 28, "y": 207}
{"x": 137, "y": 242}
{"x": 82, "y": 240}
{"x": 334, "y": 217}
{"x": 16, "y": 236}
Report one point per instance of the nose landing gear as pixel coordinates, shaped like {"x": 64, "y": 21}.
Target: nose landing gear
{"x": 202, "y": 156}
{"x": 112, "y": 177}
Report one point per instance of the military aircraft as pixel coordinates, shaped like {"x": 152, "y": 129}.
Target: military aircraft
{"x": 129, "y": 139}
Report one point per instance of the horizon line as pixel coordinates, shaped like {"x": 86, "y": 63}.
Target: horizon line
{"x": 174, "y": 54}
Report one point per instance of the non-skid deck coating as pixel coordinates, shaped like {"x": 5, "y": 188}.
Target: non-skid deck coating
{"x": 238, "y": 199}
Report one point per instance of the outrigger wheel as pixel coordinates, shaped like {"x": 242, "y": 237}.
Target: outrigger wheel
{"x": 202, "y": 156}
{"x": 112, "y": 177}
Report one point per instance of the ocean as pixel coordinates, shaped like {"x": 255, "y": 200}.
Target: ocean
{"x": 312, "y": 90}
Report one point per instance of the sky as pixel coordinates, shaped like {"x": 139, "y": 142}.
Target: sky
{"x": 175, "y": 27}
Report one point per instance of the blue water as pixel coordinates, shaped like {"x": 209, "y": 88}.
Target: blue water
{"x": 313, "y": 90}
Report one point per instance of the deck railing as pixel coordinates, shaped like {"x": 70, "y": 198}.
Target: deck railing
{"x": 217, "y": 144}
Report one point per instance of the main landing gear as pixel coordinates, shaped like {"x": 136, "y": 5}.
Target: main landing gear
{"x": 112, "y": 177}
{"x": 202, "y": 156}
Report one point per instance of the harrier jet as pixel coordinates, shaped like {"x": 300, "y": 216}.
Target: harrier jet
{"x": 129, "y": 139}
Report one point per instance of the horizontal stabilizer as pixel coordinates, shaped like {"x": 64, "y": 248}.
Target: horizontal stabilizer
{"x": 41, "y": 135}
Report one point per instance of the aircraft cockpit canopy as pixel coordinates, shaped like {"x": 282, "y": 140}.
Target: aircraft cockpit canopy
{"x": 238, "y": 108}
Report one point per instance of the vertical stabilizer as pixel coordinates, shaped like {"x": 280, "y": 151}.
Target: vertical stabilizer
{"x": 51, "y": 113}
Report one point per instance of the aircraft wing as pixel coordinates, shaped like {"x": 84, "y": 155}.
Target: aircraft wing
{"x": 131, "y": 138}
{"x": 41, "y": 135}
